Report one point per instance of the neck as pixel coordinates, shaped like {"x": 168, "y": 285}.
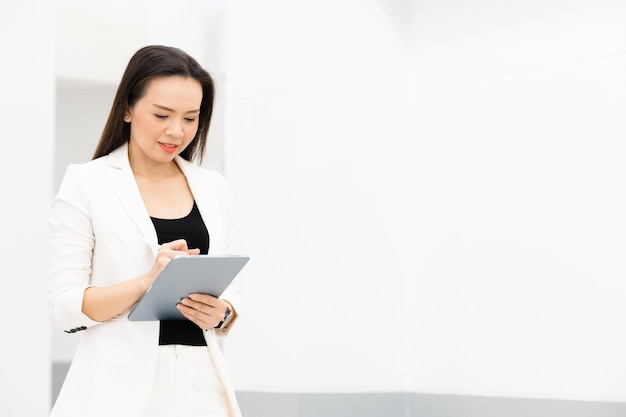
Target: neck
{"x": 146, "y": 168}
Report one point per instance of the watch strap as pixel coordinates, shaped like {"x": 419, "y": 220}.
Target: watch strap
{"x": 227, "y": 314}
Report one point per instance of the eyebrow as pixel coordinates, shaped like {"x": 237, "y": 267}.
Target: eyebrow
{"x": 172, "y": 110}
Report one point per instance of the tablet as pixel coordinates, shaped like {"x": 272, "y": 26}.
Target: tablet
{"x": 184, "y": 275}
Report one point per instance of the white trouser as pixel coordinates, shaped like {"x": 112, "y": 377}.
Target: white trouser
{"x": 186, "y": 384}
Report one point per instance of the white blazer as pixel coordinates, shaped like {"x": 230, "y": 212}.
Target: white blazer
{"x": 98, "y": 228}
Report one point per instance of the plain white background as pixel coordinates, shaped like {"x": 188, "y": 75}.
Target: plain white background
{"x": 433, "y": 195}
{"x": 27, "y": 120}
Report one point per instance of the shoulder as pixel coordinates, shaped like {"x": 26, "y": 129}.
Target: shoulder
{"x": 81, "y": 180}
{"x": 83, "y": 172}
{"x": 86, "y": 167}
{"x": 90, "y": 170}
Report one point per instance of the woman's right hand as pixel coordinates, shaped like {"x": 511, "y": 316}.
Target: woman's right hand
{"x": 102, "y": 303}
{"x": 167, "y": 251}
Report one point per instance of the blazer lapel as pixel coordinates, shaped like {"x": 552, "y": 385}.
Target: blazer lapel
{"x": 204, "y": 195}
{"x": 124, "y": 183}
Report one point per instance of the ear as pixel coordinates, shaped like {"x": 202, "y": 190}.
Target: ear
{"x": 127, "y": 114}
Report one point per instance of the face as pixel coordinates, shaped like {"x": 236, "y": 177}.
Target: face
{"x": 164, "y": 121}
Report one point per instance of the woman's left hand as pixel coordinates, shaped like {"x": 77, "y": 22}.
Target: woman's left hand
{"x": 204, "y": 310}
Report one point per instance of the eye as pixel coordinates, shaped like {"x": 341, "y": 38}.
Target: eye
{"x": 160, "y": 116}
{"x": 190, "y": 119}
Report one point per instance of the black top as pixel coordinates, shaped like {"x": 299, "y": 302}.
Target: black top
{"x": 193, "y": 230}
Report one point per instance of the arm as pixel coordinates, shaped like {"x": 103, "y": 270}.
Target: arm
{"x": 103, "y": 303}
{"x": 72, "y": 241}
{"x": 74, "y": 303}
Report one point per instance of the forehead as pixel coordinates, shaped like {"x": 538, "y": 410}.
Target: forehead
{"x": 179, "y": 93}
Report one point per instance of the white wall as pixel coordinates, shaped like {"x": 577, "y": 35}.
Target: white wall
{"x": 431, "y": 192}
{"x": 515, "y": 155}
{"x": 27, "y": 119}
{"x": 96, "y": 39}
{"x": 315, "y": 162}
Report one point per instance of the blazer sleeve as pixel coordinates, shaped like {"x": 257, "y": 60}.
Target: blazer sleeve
{"x": 71, "y": 247}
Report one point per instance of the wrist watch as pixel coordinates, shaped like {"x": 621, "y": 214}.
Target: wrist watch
{"x": 226, "y": 316}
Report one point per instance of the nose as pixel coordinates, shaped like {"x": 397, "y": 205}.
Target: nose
{"x": 175, "y": 129}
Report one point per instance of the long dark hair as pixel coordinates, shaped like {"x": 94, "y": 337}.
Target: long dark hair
{"x": 148, "y": 63}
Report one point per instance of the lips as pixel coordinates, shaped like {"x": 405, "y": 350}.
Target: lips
{"x": 168, "y": 147}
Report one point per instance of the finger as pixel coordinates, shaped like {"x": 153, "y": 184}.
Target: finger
{"x": 205, "y": 299}
{"x": 177, "y": 245}
{"x": 199, "y": 305}
{"x": 194, "y": 251}
{"x": 171, "y": 252}
{"x": 188, "y": 314}
{"x": 201, "y": 319}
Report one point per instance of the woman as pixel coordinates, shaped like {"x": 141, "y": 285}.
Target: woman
{"x": 141, "y": 190}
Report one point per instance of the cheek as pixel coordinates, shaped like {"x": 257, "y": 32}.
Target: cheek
{"x": 150, "y": 122}
{"x": 141, "y": 125}
{"x": 190, "y": 132}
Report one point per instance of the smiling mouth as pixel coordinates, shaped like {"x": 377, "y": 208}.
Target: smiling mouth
{"x": 168, "y": 147}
